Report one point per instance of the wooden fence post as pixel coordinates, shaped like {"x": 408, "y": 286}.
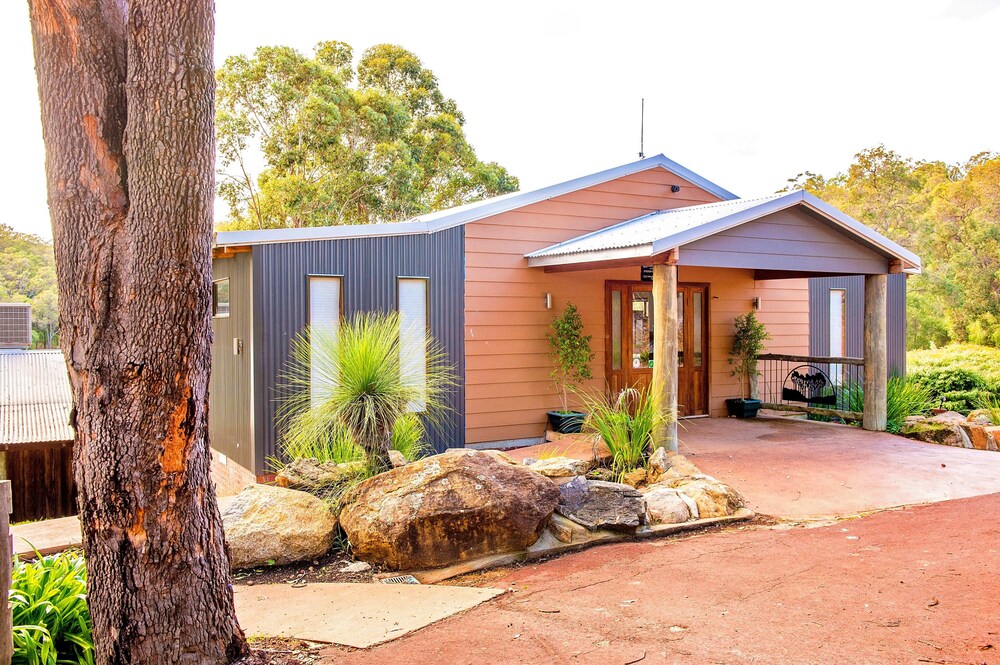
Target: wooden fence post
{"x": 6, "y": 567}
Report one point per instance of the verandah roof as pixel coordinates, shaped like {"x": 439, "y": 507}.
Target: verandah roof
{"x": 843, "y": 241}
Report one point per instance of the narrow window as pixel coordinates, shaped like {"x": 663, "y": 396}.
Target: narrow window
{"x": 220, "y": 298}
{"x": 324, "y": 321}
{"x": 616, "y": 330}
{"x": 838, "y": 341}
{"x": 412, "y": 298}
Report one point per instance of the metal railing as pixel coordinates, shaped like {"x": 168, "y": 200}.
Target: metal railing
{"x": 821, "y": 385}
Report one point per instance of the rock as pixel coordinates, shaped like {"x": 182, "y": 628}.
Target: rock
{"x": 634, "y": 478}
{"x": 601, "y": 473}
{"x": 952, "y": 417}
{"x": 357, "y": 567}
{"x": 274, "y": 525}
{"x": 597, "y": 504}
{"x": 929, "y": 431}
{"x": 714, "y": 498}
{"x": 665, "y": 505}
{"x": 459, "y": 505}
{"x": 979, "y": 417}
{"x": 501, "y": 456}
{"x": 977, "y": 435}
{"x": 560, "y": 467}
{"x": 310, "y": 475}
{"x": 993, "y": 438}
{"x": 669, "y": 464}
{"x": 397, "y": 459}
{"x": 528, "y": 461}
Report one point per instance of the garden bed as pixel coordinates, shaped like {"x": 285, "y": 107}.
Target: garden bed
{"x": 324, "y": 569}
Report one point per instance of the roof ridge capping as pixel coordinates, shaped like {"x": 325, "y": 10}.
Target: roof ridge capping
{"x": 469, "y": 212}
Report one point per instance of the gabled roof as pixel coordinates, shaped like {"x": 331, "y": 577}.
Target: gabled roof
{"x": 35, "y": 398}
{"x": 658, "y": 232}
{"x": 470, "y": 212}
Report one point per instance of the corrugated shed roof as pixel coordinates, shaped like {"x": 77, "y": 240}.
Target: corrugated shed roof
{"x": 35, "y": 397}
{"x": 663, "y": 230}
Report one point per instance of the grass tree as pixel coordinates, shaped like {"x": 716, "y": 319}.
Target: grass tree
{"x": 354, "y": 385}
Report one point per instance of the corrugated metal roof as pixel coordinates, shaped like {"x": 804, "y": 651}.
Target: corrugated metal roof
{"x": 470, "y": 212}
{"x": 663, "y": 230}
{"x": 35, "y": 397}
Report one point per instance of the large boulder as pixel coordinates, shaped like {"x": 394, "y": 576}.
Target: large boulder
{"x": 666, "y": 505}
{"x": 311, "y": 475}
{"x": 665, "y": 465}
{"x": 930, "y": 431}
{"x": 560, "y": 467}
{"x": 714, "y": 498}
{"x": 597, "y": 504}
{"x": 267, "y": 525}
{"x": 456, "y": 506}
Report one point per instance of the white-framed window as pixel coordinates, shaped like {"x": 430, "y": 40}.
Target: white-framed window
{"x": 220, "y": 298}
{"x": 838, "y": 331}
{"x": 412, "y": 296}
{"x": 325, "y": 308}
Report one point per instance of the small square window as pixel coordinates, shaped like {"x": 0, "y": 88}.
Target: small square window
{"x": 220, "y": 298}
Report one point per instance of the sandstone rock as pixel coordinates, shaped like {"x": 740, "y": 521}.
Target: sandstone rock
{"x": 665, "y": 505}
{"x": 310, "y": 475}
{"x": 456, "y": 506}
{"x": 993, "y": 438}
{"x": 929, "y": 431}
{"x": 356, "y": 567}
{"x": 977, "y": 434}
{"x": 560, "y": 467}
{"x": 979, "y": 417}
{"x": 666, "y": 465}
{"x": 397, "y": 458}
{"x": 267, "y": 524}
{"x": 952, "y": 417}
{"x": 601, "y": 473}
{"x": 634, "y": 478}
{"x": 597, "y": 504}
{"x": 528, "y": 461}
{"x": 501, "y": 456}
{"x": 714, "y": 498}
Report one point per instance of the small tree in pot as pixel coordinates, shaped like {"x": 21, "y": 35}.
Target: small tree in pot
{"x": 571, "y": 356}
{"x": 749, "y": 336}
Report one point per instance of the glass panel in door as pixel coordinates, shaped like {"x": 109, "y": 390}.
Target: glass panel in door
{"x": 642, "y": 329}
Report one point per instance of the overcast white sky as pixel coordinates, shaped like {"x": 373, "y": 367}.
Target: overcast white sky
{"x": 745, "y": 93}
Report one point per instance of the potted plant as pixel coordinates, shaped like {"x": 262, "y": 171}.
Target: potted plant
{"x": 571, "y": 356}
{"x": 749, "y": 335}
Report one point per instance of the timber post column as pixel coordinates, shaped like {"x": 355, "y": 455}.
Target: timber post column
{"x": 876, "y": 364}
{"x": 665, "y": 354}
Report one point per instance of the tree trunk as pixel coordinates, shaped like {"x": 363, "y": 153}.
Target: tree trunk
{"x": 133, "y": 260}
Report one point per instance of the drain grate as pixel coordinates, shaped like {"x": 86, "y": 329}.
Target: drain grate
{"x": 400, "y": 579}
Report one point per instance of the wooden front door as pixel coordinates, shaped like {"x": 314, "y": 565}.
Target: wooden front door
{"x": 629, "y": 341}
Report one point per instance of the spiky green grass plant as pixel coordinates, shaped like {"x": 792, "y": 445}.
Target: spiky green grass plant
{"x": 48, "y": 599}
{"x": 904, "y": 397}
{"x": 625, "y": 422}
{"x": 353, "y": 387}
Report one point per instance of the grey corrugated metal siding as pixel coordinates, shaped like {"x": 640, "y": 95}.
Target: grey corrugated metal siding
{"x": 369, "y": 267}
{"x": 230, "y": 398}
{"x": 854, "y": 286}
{"x": 35, "y": 398}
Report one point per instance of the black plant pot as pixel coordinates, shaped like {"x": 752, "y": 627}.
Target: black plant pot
{"x": 566, "y": 423}
{"x": 743, "y": 408}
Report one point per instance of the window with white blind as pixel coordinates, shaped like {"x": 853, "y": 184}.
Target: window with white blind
{"x": 412, "y": 298}
{"x": 324, "y": 314}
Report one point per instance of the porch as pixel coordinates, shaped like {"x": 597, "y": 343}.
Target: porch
{"x": 780, "y": 239}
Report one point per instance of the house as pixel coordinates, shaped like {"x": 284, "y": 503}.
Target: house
{"x": 36, "y": 440}
{"x": 658, "y": 259}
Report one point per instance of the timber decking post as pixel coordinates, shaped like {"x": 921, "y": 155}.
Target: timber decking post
{"x": 6, "y": 565}
{"x": 665, "y": 353}
{"x": 876, "y": 364}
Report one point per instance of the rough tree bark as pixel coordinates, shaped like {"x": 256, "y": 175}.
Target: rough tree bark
{"x": 127, "y": 94}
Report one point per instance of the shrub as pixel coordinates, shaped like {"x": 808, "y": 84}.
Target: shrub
{"x": 954, "y": 388}
{"x": 48, "y": 598}
{"x": 626, "y": 423}
{"x": 749, "y": 336}
{"x": 570, "y": 352}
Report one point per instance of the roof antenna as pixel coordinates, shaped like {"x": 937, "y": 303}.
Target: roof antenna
{"x": 642, "y": 129}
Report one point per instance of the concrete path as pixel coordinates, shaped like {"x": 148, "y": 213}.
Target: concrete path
{"x": 918, "y": 584}
{"x": 798, "y": 469}
{"x": 355, "y": 615}
{"x": 804, "y": 470}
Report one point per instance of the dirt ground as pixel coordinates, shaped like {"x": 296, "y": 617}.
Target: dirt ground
{"x": 917, "y": 585}
{"x": 324, "y": 569}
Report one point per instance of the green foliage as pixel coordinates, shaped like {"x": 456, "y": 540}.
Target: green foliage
{"x": 749, "y": 336}
{"x": 905, "y": 397}
{"x": 28, "y": 274}
{"x": 381, "y": 144}
{"x": 351, "y": 387}
{"x": 626, "y": 423}
{"x": 947, "y": 214}
{"x": 959, "y": 376}
{"x": 48, "y": 599}
{"x": 570, "y": 352}
{"x": 990, "y": 404}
